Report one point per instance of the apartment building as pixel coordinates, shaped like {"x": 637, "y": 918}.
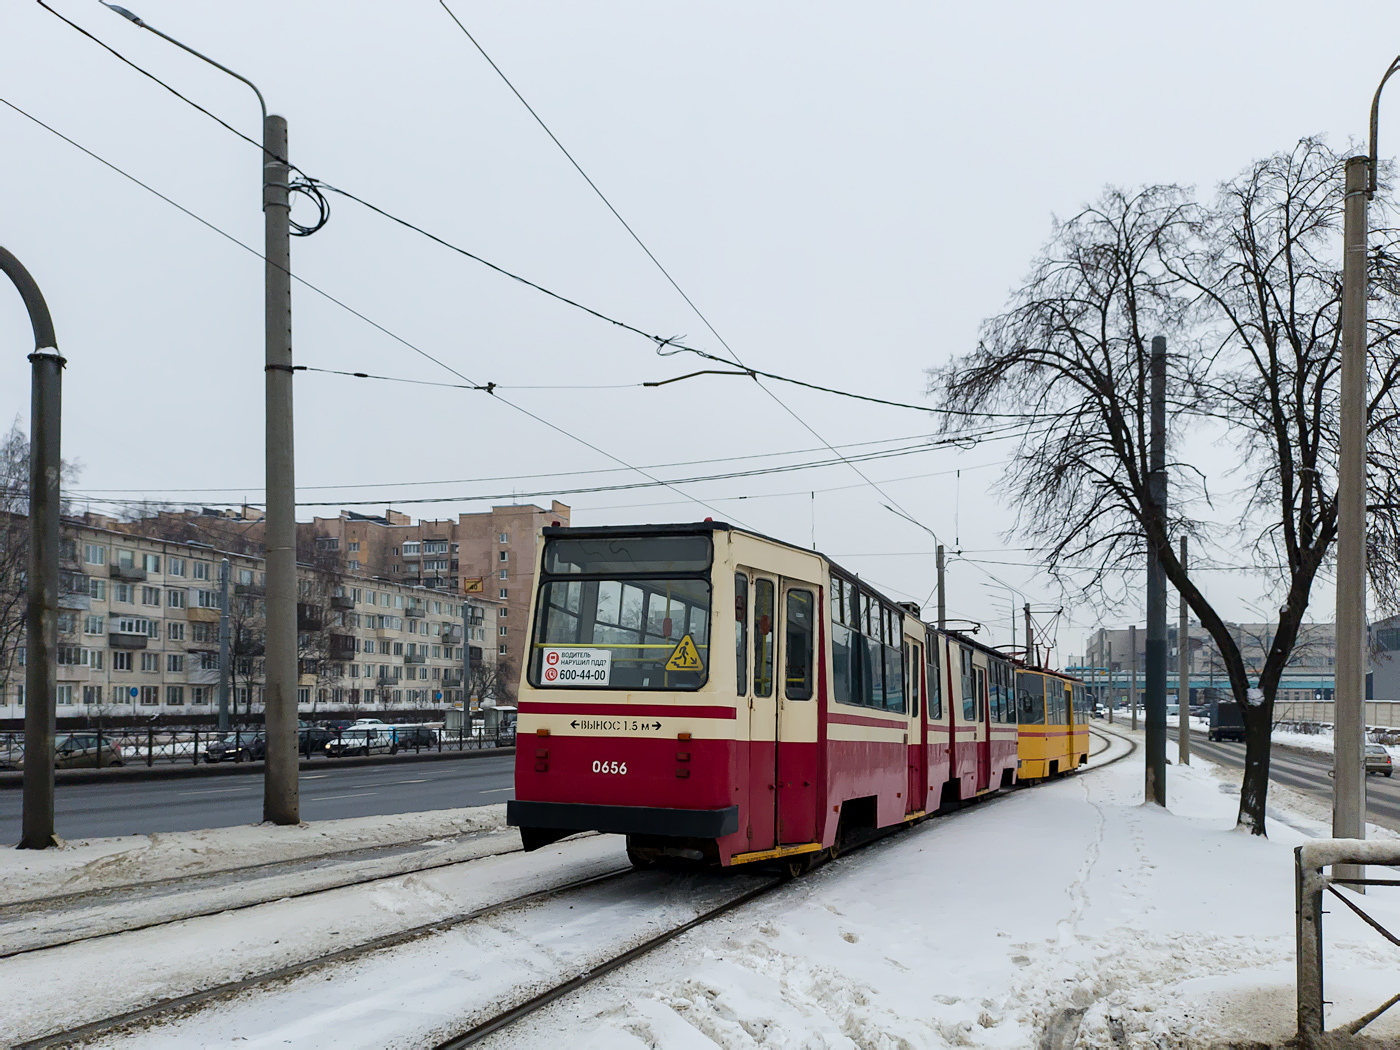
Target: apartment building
{"x": 139, "y": 634}
{"x": 490, "y": 555}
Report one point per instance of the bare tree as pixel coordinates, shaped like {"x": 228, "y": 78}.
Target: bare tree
{"x": 1247, "y": 289}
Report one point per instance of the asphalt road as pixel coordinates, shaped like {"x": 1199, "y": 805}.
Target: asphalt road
{"x": 186, "y": 804}
{"x": 1306, "y": 771}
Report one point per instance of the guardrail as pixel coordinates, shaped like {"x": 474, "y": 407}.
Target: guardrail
{"x": 1374, "y": 734}
{"x": 100, "y": 748}
{"x": 1311, "y": 883}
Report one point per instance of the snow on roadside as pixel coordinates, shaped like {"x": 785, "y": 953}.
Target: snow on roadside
{"x": 1071, "y": 910}
{"x": 87, "y": 865}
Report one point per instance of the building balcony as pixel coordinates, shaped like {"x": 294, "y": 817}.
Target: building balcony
{"x": 415, "y": 658}
{"x": 451, "y": 635}
{"x": 246, "y": 588}
{"x": 451, "y": 679}
{"x": 127, "y": 573}
{"x": 200, "y": 615}
{"x": 342, "y": 647}
{"x": 74, "y": 600}
{"x": 342, "y": 601}
{"x": 309, "y": 617}
{"x": 416, "y": 612}
{"x": 127, "y": 641}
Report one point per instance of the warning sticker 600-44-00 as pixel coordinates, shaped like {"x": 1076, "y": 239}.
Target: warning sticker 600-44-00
{"x": 572, "y": 666}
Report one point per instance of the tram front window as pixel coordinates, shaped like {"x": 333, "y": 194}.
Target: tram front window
{"x": 604, "y": 621}
{"x": 1031, "y": 707}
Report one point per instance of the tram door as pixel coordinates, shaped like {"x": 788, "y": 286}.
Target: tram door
{"x": 763, "y": 713}
{"x": 917, "y": 792}
{"x": 796, "y": 747}
{"x": 984, "y": 733}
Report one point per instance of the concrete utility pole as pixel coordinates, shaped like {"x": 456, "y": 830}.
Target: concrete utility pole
{"x": 1108, "y": 668}
{"x": 466, "y": 663}
{"x": 225, "y": 644}
{"x": 280, "y": 788}
{"x": 942, "y": 599}
{"x": 1183, "y": 671}
{"x": 41, "y": 605}
{"x": 281, "y": 801}
{"x": 1349, "y": 791}
{"x": 1155, "y": 766}
{"x": 1030, "y": 637}
{"x": 1132, "y": 686}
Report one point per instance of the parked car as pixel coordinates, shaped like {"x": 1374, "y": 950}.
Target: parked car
{"x": 360, "y": 740}
{"x": 313, "y": 739}
{"x": 410, "y": 738}
{"x": 1378, "y": 760}
{"x": 237, "y": 747}
{"x": 73, "y": 751}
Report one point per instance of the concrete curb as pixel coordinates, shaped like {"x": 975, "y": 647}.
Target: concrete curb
{"x": 184, "y": 770}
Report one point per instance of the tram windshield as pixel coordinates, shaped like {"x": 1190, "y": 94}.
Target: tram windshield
{"x": 1031, "y": 699}
{"x": 623, "y": 612}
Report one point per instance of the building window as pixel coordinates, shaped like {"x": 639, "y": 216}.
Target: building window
{"x": 64, "y": 694}
{"x": 505, "y": 556}
{"x": 175, "y": 630}
{"x": 398, "y": 648}
{"x": 208, "y": 661}
{"x": 504, "y": 574}
{"x": 174, "y": 566}
{"x": 121, "y": 660}
{"x": 204, "y": 632}
{"x": 92, "y": 694}
{"x": 94, "y": 554}
{"x": 150, "y": 595}
{"x": 201, "y": 570}
{"x": 93, "y": 624}
{"x": 175, "y": 662}
{"x": 369, "y": 645}
{"x": 505, "y": 593}
{"x": 126, "y": 559}
{"x": 304, "y": 694}
{"x": 502, "y": 630}
{"x": 132, "y": 625}
{"x": 150, "y": 562}
{"x": 501, "y": 650}
{"x": 150, "y": 695}
{"x": 175, "y": 695}
{"x": 199, "y": 694}
{"x": 97, "y": 589}
{"x": 504, "y": 537}
{"x": 354, "y": 546}
{"x": 245, "y": 577}
{"x": 206, "y": 599}
{"x": 122, "y": 592}
{"x": 354, "y": 565}
{"x": 501, "y": 613}
{"x": 150, "y": 661}
{"x": 176, "y": 599}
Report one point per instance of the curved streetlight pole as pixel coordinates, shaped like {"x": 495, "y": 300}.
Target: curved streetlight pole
{"x": 1349, "y": 768}
{"x": 281, "y": 802}
{"x": 41, "y": 602}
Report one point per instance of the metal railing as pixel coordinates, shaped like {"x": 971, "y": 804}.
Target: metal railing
{"x": 104, "y": 747}
{"x": 1311, "y": 882}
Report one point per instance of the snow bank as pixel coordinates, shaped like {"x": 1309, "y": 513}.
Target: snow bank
{"x": 83, "y": 866}
{"x": 1068, "y": 915}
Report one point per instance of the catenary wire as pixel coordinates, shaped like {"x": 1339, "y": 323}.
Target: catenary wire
{"x": 394, "y": 335}
{"x": 313, "y": 188}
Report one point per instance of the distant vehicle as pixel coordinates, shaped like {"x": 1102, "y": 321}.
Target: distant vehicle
{"x": 366, "y": 739}
{"x": 1378, "y": 760}
{"x": 72, "y": 751}
{"x": 1226, "y": 721}
{"x": 1099, "y": 711}
{"x": 312, "y": 739}
{"x": 411, "y": 737}
{"x": 369, "y": 721}
{"x": 237, "y": 747}
{"x": 1173, "y": 710}
{"x": 1198, "y": 710}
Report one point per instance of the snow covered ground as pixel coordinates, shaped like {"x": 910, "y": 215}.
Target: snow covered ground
{"x": 1069, "y": 912}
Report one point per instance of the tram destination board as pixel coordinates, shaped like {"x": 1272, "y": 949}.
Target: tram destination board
{"x": 575, "y": 666}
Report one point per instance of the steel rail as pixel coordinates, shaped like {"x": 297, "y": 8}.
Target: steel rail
{"x": 221, "y": 909}
{"x": 182, "y": 1003}
{"x": 510, "y": 1016}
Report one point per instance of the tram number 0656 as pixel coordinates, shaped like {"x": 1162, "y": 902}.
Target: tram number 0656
{"x": 610, "y": 767}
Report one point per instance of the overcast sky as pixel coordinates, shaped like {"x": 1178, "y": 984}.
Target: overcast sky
{"x": 846, "y": 191}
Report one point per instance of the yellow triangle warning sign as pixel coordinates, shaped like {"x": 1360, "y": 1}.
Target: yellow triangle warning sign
{"x": 685, "y": 657}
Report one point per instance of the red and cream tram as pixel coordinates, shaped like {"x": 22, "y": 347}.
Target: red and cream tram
{"x": 716, "y": 694}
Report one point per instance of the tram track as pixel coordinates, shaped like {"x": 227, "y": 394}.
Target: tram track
{"x": 171, "y": 1009}
{"x": 76, "y": 908}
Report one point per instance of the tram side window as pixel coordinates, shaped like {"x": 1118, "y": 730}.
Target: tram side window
{"x": 1030, "y": 699}
{"x": 912, "y": 664}
{"x": 797, "y": 657}
{"x": 935, "y": 682}
{"x": 969, "y": 687}
{"x": 741, "y": 632}
{"x": 763, "y": 638}
{"x": 845, "y": 675}
{"x": 1061, "y": 694}
{"x": 1003, "y": 705}
{"x": 872, "y": 659}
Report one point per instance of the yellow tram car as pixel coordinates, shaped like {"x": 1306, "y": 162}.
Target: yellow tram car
{"x": 1052, "y": 712}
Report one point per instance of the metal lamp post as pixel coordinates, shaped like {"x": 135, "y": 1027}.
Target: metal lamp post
{"x": 281, "y": 804}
